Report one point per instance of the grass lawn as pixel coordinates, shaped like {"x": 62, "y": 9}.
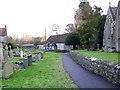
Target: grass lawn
{"x": 111, "y": 57}
{"x": 47, "y": 73}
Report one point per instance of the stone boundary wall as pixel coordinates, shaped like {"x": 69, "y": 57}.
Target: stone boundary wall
{"x": 108, "y": 70}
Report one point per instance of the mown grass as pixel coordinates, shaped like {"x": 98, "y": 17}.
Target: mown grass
{"x": 47, "y": 73}
{"x": 15, "y": 59}
{"x": 110, "y": 57}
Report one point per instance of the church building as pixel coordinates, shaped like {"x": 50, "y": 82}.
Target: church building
{"x": 111, "y": 39}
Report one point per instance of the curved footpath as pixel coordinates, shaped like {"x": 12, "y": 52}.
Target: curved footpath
{"x": 84, "y": 78}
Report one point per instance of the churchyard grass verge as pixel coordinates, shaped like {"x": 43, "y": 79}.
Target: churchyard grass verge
{"x": 46, "y": 73}
{"x": 16, "y": 59}
{"x": 108, "y": 56}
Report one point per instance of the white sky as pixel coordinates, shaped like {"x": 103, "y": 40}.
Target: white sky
{"x": 32, "y": 17}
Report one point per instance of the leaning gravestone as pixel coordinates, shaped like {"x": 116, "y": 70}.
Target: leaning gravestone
{"x": 16, "y": 67}
{"x": 7, "y": 69}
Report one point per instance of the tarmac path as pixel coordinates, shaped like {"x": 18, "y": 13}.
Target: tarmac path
{"x": 84, "y": 78}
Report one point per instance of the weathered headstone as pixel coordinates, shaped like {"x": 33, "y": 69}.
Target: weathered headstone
{"x": 29, "y": 60}
{"x": 36, "y": 57}
{"x": 39, "y": 56}
{"x": 0, "y": 69}
{"x": 7, "y": 70}
{"x": 10, "y": 53}
{"x": 16, "y": 67}
{"x": 17, "y": 51}
{"x": 5, "y": 53}
{"x": 25, "y": 63}
{"x": 1, "y": 51}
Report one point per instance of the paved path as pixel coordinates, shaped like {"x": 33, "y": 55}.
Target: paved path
{"x": 82, "y": 77}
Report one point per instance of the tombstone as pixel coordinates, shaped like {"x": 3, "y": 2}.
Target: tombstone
{"x": 21, "y": 54}
{"x": 7, "y": 69}
{"x": 39, "y": 56}
{"x": 36, "y": 57}
{"x": 1, "y": 51}
{"x": 17, "y": 51}
{"x": 10, "y": 53}
{"x": 0, "y": 69}
{"x": 25, "y": 63}
{"x": 33, "y": 59}
{"x": 5, "y": 53}
{"x": 16, "y": 67}
{"x": 29, "y": 60}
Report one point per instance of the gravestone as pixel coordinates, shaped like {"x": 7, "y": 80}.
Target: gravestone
{"x": 21, "y": 53}
{"x": 17, "y": 50}
{"x": 36, "y": 57}
{"x": 29, "y": 60}
{"x": 5, "y": 53}
{"x": 39, "y": 56}
{"x": 10, "y": 53}
{"x": 7, "y": 69}
{"x": 1, "y": 51}
{"x": 16, "y": 67}
{"x": 25, "y": 63}
{"x": 33, "y": 59}
{"x": 0, "y": 69}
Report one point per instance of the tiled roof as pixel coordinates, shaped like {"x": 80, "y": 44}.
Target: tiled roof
{"x": 57, "y": 38}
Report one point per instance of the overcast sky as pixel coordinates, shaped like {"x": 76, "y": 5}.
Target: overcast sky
{"x": 32, "y": 17}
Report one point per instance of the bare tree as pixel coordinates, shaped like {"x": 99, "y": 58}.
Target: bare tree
{"x": 70, "y": 28}
{"x": 55, "y": 29}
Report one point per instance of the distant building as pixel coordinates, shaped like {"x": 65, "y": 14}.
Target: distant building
{"x": 3, "y": 36}
{"x": 111, "y": 39}
{"x": 57, "y": 42}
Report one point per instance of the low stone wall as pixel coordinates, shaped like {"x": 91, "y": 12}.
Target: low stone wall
{"x": 108, "y": 70}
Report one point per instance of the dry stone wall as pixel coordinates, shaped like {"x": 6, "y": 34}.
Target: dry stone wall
{"x": 108, "y": 70}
